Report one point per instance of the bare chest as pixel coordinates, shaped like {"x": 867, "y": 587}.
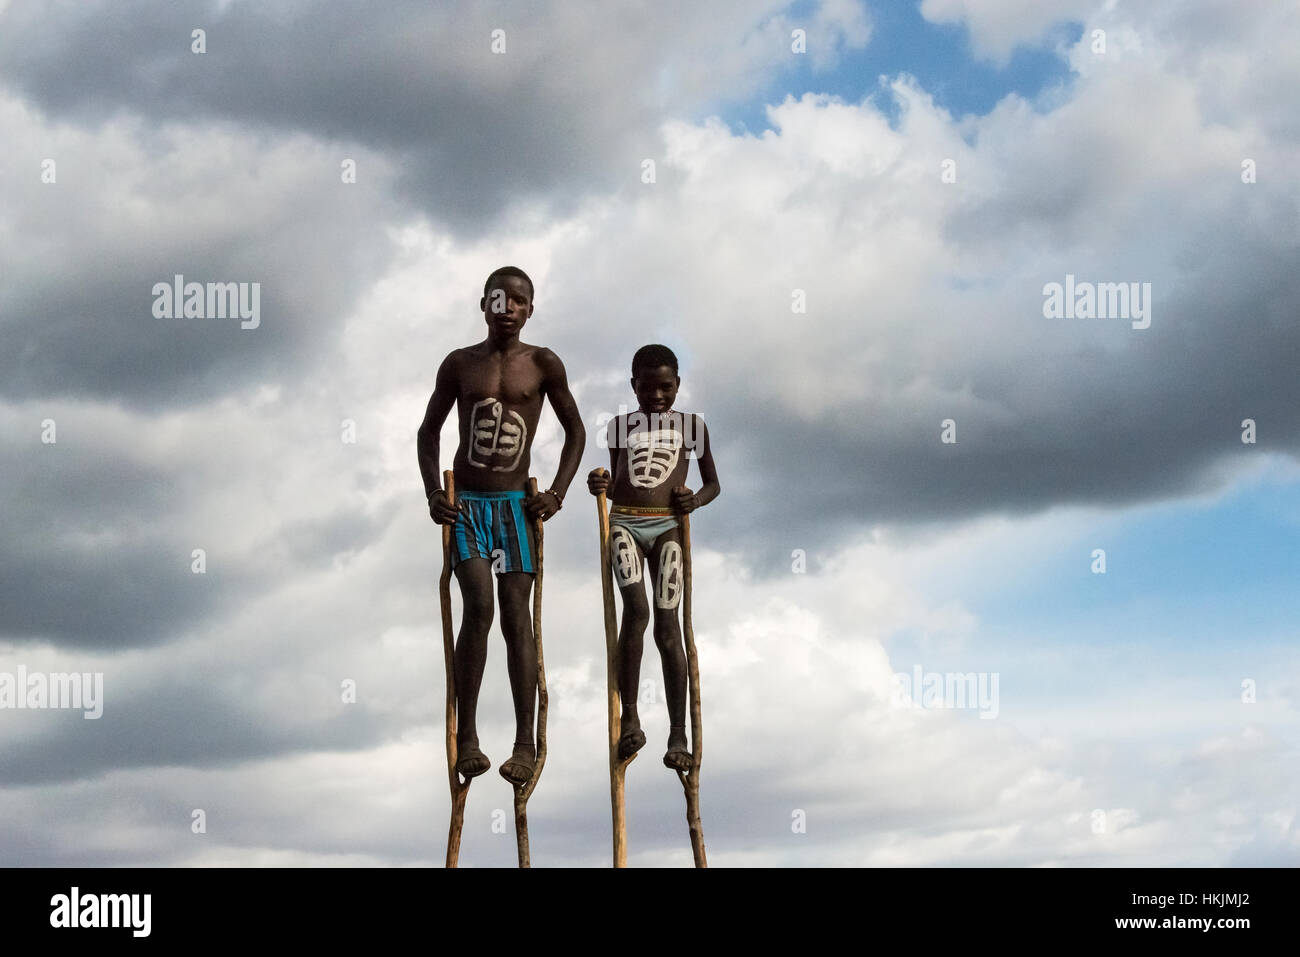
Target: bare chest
{"x": 515, "y": 380}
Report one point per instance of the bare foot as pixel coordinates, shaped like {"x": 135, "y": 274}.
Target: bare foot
{"x": 677, "y": 757}
{"x": 518, "y": 770}
{"x": 470, "y": 761}
{"x": 630, "y": 743}
{"x": 633, "y": 738}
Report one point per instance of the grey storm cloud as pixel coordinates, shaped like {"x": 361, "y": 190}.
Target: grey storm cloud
{"x": 446, "y": 128}
{"x": 86, "y": 559}
{"x": 78, "y": 314}
{"x": 1091, "y": 429}
{"x": 186, "y": 721}
{"x": 97, "y": 551}
{"x": 474, "y": 133}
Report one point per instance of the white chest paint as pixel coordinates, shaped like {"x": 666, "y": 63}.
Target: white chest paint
{"x": 496, "y": 436}
{"x": 652, "y": 455}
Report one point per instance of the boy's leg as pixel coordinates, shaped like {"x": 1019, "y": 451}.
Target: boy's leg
{"x": 666, "y": 574}
{"x": 513, "y": 589}
{"x": 627, "y": 559}
{"x": 475, "y": 578}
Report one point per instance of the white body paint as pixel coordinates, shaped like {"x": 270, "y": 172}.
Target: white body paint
{"x": 624, "y": 556}
{"x": 493, "y": 435}
{"x": 652, "y": 456}
{"x": 668, "y": 586}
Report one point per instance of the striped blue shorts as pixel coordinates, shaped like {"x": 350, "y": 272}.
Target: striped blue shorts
{"x": 492, "y": 525}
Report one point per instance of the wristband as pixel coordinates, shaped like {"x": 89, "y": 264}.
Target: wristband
{"x": 558, "y": 497}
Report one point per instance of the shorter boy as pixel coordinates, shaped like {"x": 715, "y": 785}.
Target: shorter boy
{"x": 646, "y": 482}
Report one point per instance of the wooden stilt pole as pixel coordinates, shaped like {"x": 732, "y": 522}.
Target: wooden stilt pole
{"x": 525, "y": 790}
{"x": 691, "y": 779}
{"x": 617, "y": 767}
{"x": 458, "y": 788}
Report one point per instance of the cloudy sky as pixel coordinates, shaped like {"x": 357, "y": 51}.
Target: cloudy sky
{"x": 846, "y": 239}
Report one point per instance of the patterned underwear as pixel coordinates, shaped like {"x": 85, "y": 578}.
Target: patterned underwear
{"x": 643, "y": 524}
{"x": 494, "y": 527}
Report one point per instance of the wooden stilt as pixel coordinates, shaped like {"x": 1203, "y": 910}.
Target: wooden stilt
{"x": 525, "y": 790}
{"x": 691, "y": 779}
{"x": 617, "y": 767}
{"x": 458, "y": 788}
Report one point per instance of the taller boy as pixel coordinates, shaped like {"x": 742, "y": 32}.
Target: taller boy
{"x": 498, "y": 386}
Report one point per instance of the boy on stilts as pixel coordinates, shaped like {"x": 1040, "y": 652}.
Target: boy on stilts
{"x": 649, "y": 452}
{"x": 498, "y": 386}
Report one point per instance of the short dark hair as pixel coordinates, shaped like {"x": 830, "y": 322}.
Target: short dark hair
{"x": 652, "y": 357}
{"x": 508, "y": 271}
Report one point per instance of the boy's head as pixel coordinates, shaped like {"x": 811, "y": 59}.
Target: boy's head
{"x": 507, "y": 301}
{"x": 654, "y": 378}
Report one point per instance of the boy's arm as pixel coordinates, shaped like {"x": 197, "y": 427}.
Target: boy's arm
{"x": 683, "y": 499}
{"x": 428, "y": 440}
{"x": 555, "y": 386}
{"x": 598, "y": 480}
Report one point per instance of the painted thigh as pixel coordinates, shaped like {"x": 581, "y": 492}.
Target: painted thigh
{"x": 625, "y": 557}
{"x": 666, "y": 569}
